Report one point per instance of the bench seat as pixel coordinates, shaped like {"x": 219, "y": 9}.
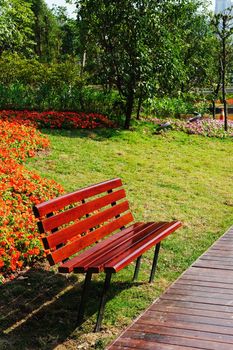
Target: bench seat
{"x": 117, "y": 251}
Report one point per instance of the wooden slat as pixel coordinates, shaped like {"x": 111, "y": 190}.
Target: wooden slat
{"x": 200, "y": 293}
{"x": 196, "y": 299}
{"x": 68, "y": 266}
{"x": 146, "y": 345}
{"x": 75, "y": 213}
{"x": 214, "y": 265}
{"x": 184, "y": 308}
{"x": 195, "y": 282}
{"x": 131, "y": 254}
{"x": 187, "y": 332}
{"x": 216, "y": 279}
{"x": 180, "y": 287}
{"x": 96, "y": 261}
{"x": 220, "y": 259}
{"x": 63, "y": 235}
{"x": 202, "y": 305}
{"x": 145, "y": 341}
{"x": 188, "y": 324}
{"x": 164, "y": 316}
{"x": 85, "y": 241}
{"x": 60, "y": 202}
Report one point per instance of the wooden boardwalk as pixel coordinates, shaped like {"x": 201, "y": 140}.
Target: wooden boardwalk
{"x": 196, "y": 312}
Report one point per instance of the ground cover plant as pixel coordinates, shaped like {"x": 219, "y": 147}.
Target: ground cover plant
{"x": 169, "y": 176}
{"x": 20, "y": 188}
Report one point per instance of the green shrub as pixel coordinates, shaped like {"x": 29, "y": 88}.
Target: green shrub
{"x": 174, "y": 106}
{"x": 29, "y": 84}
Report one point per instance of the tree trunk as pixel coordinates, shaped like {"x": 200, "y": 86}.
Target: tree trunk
{"x": 214, "y": 111}
{"x": 139, "y": 105}
{"x": 129, "y": 110}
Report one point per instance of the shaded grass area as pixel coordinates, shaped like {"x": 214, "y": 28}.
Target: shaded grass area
{"x": 166, "y": 177}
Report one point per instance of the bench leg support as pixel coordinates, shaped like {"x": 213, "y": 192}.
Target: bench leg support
{"x": 137, "y": 267}
{"x": 154, "y": 265}
{"x": 103, "y": 301}
{"x": 83, "y": 298}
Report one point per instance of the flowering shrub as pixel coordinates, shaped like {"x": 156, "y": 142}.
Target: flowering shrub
{"x": 205, "y": 127}
{"x": 58, "y": 120}
{"x": 19, "y": 190}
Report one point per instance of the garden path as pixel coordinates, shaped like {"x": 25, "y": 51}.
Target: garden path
{"x": 196, "y": 312}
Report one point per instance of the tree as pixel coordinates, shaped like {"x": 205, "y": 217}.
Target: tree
{"x": 118, "y": 37}
{"x": 145, "y": 47}
{"x": 185, "y": 41}
{"x": 46, "y": 32}
{"x": 223, "y": 27}
{"x": 16, "y": 22}
{"x": 69, "y": 32}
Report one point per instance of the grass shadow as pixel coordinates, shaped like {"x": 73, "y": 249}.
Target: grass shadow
{"x": 39, "y": 310}
{"x": 95, "y": 134}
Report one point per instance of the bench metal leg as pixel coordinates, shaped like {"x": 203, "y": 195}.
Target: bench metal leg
{"x": 84, "y": 297}
{"x": 137, "y": 267}
{"x": 154, "y": 265}
{"x": 103, "y": 301}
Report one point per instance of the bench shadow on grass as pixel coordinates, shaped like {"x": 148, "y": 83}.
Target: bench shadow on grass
{"x": 39, "y": 310}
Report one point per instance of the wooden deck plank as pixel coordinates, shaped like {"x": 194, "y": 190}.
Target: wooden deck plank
{"x": 182, "y": 308}
{"x": 148, "y": 341}
{"x": 201, "y": 288}
{"x": 183, "y": 331}
{"x": 140, "y": 344}
{"x": 188, "y": 317}
{"x": 195, "y": 312}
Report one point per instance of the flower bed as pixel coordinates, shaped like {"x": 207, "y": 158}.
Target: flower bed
{"x": 58, "y": 120}
{"x": 20, "y": 245}
{"x": 204, "y": 127}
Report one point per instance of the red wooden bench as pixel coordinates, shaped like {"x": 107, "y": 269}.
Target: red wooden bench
{"x": 81, "y": 219}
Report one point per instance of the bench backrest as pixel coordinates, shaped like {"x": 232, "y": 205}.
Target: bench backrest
{"x": 74, "y": 221}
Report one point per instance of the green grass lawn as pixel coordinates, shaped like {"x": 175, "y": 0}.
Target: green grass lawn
{"x": 166, "y": 177}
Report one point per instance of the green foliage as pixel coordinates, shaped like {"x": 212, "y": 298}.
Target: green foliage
{"x": 146, "y": 47}
{"x": 174, "y": 106}
{"x": 29, "y": 84}
{"x": 69, "y": 32}
{"x": 46, "y": 32}
{"x": 16, "y": 22}
{"x": 16, "y": 69}
{"x": 118, "y": 38}
{"x": 142, "y": 48}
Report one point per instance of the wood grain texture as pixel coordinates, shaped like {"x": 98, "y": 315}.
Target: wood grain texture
{"x": 116, "y": 246}
{"x": 139, "y": 248}
{"x": 85, "y": 241}
{"x": 69, "y": 265}
{"x": 60, "y": 202}
{"x": 195, "y": 312}
{"x": 78, "y": 212}
{"x": 80, "y": 227}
